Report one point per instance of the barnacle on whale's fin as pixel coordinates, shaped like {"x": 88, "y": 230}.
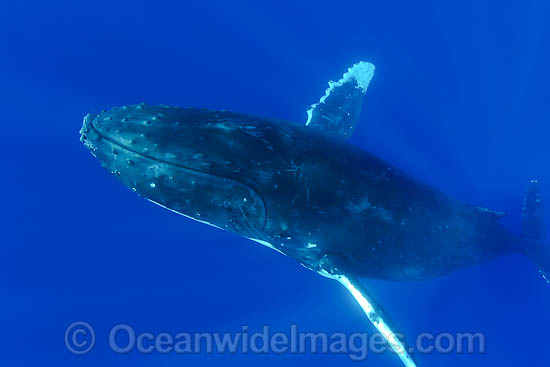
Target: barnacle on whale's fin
{"x": 338, "y": 110}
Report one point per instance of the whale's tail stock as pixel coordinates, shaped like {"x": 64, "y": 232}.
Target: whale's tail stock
{"x": 533, "y": 234}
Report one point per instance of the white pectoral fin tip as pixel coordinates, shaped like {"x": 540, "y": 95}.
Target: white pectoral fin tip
{"x": 376, "y": 318}
{"x": 361, "y": 73}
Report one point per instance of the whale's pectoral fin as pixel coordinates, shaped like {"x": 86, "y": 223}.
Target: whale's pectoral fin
{"x": 330, "y": 267}
{"x": 377, "y": 317}
{"x": 338, "y": 110}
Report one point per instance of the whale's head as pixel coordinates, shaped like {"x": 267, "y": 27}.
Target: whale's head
{"x": 190, "y": 161}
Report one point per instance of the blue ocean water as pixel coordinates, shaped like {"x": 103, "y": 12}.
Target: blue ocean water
{"x": 459, "y": 100}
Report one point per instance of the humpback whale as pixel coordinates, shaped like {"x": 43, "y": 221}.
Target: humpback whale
{"x": 304, "y": 191}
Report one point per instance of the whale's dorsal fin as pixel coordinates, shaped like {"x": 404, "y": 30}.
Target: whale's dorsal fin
{"x": 338, "y": 110}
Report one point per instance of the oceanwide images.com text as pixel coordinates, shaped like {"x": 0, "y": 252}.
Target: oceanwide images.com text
{"x": 81, "y": 337}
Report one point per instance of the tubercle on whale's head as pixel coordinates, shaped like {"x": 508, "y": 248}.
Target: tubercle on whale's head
{"x": 162, "y": 154}
{"x": 87, "y": 131}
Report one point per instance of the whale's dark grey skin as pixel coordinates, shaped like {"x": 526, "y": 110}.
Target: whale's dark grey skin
{"x": 303, "y": 190}
{"x": 303, "y": 193}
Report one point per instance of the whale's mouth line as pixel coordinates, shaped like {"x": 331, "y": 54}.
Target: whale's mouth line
{"x": 125, "y": 147}
{"x": 122, "y": 146}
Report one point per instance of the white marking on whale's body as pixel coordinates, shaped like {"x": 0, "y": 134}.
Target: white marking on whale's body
{"x": 262, "y": 242}
{"x": 267, "y": 244}
{"x": 186, "y": 216}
